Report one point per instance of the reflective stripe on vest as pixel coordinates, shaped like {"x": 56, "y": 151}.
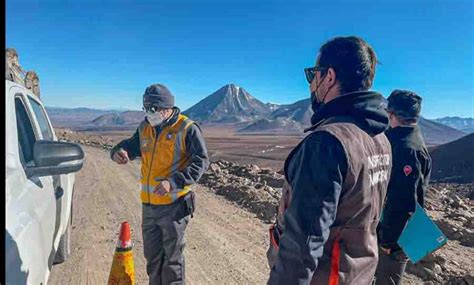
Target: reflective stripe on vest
{"x": 162, "y": 156}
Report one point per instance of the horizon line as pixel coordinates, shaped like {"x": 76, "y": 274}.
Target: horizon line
{"x": 136, "y": 110}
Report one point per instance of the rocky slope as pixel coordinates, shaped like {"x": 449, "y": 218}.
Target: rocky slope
{"x": 454, "y": 161}
{"x": 84, "y": 139}
{"x": 257, "y": 189}
{"x": 15, "y": 72}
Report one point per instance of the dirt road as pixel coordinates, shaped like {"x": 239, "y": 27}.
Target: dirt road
{"x": 225, "y": 244}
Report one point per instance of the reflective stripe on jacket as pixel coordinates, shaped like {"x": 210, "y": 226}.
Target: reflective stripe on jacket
{"x": 162, "y": 156}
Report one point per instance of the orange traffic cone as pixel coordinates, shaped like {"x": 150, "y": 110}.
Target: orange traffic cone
{"x": 123, "y": 271}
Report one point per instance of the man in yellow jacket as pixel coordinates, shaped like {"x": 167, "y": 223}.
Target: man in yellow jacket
{"x": 174, "y": 156}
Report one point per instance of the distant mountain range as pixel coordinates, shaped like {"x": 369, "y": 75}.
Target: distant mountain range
{"x": 127, "y": 118}
{"x": 463, "y": 124}
{"x": 277, "y": 126}
{"x": 435, "y": 133}
{"x": 291, "y": 118}
{"x": 76, "y": 117}
{"x": 233, "y": 105}
{"x": 299, "y": 111}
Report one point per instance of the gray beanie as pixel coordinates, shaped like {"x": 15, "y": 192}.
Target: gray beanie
{"x": 157, "y": 95}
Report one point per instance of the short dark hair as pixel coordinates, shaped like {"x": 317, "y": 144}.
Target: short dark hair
{"x": 354, "y": 61}
{"x": 405, "y": 105}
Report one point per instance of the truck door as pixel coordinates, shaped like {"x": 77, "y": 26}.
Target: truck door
{"x": 31, "y": 211}
{"x": 47, "y": 134}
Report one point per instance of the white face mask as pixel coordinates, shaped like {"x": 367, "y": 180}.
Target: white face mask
{"x": 155, "y": 119}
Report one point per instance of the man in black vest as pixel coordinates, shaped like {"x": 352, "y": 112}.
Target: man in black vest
{"x": 408, "y": 182}
{"x": 338, "y": 174}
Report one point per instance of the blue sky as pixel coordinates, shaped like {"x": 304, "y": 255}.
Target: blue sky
{"x": 103, "y": 54}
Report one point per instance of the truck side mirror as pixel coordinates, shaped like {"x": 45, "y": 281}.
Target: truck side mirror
{"x": 54, "y": 158}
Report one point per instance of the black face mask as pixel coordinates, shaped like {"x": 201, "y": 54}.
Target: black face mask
{"x": 317, "y": 105}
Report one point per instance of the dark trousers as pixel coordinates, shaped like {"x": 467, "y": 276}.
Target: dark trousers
{"x": 390, "y": 268}
{"x": 163, "y": 229}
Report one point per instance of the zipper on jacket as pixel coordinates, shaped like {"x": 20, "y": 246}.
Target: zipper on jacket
{"x": 151, "y": 164}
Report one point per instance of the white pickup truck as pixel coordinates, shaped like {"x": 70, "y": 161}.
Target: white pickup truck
{"x": 39, "y": 189}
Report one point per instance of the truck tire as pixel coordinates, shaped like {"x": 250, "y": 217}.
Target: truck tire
{"x": 64, "y": 248}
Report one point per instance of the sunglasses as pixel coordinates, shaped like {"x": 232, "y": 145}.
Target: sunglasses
{"x": 152, "y": 109}
{"x": 310, "y": 72}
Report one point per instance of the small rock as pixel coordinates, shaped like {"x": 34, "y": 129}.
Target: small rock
{"x": 215, "y": 168}
{"x": 457, "y": 202}
{"x": 457, "y": 235}
{"x": 462, "y": 219}
{"x": 437, "y": 269}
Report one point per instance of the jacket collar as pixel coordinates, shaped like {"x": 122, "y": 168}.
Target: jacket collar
{"x": 366, "y": 107}
{"x": 410, "y": 133}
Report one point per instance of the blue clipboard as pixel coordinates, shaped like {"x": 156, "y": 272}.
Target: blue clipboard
{"x": 421, "y": 236}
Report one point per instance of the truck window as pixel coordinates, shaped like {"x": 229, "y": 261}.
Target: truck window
{"x": 26, "y": 135}
{"x": 42, "y": 120}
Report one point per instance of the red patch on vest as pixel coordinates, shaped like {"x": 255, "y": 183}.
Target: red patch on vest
{"x": 407, "y": 170}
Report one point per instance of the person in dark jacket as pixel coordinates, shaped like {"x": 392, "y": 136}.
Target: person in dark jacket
{"x": 337, "y": 176}
{"x": 173, "y": 157}
{"x": 408, "y": 182}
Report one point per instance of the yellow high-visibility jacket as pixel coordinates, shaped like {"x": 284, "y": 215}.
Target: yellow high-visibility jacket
{"x": 162, "y": 156}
